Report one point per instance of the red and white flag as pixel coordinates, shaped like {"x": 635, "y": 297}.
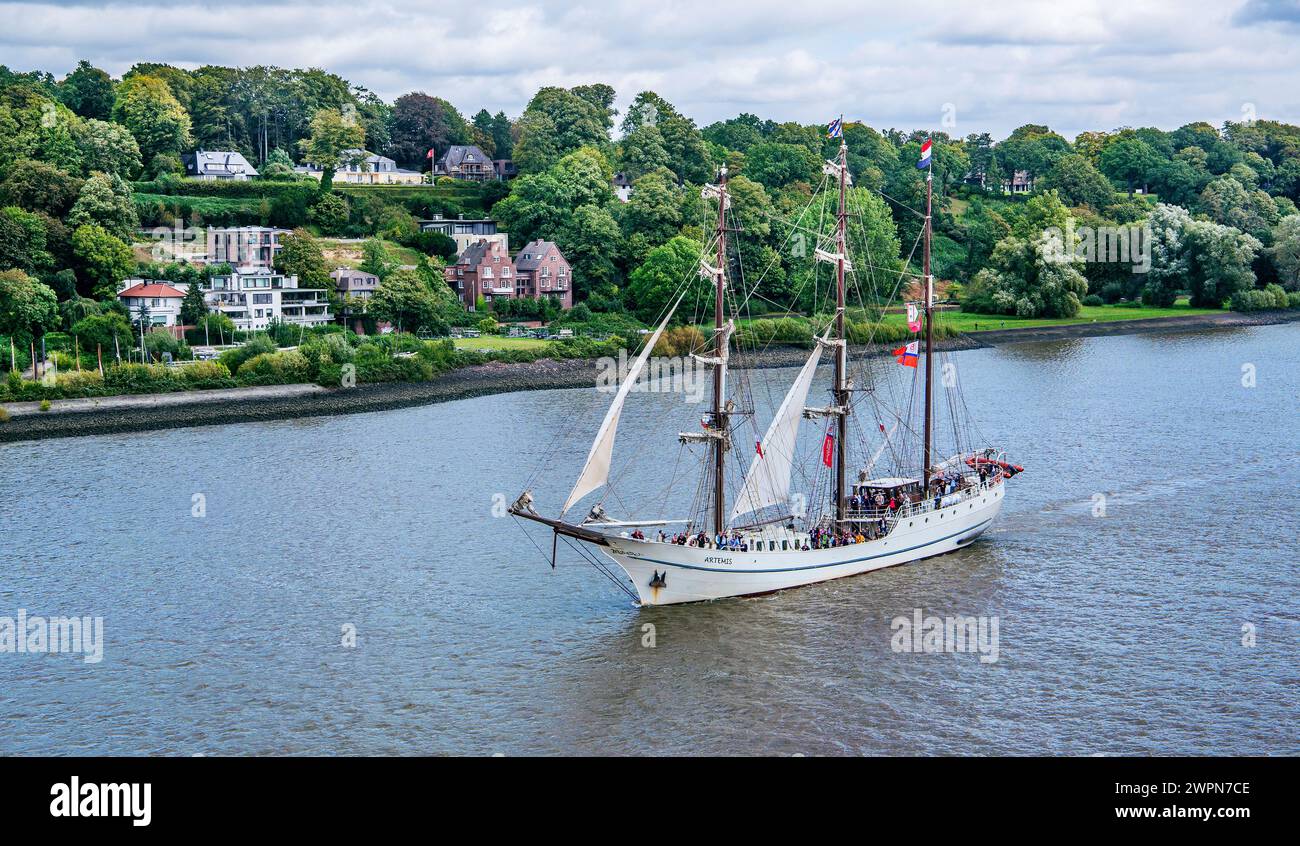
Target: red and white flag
{"x": 828, "y": 449}
{"x": 907, "y": 355}
{"x": 913, "y": 318}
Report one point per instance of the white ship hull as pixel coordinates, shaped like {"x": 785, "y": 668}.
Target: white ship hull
{"x": 693, "y": 574}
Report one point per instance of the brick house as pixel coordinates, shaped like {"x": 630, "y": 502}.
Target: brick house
{"x": 483, "y": 270}
{"x": 541, "y": 270}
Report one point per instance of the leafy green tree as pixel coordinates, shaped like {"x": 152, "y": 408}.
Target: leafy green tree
{"x": 1221, "y": 259}
{"x": 88, "y": 91}
{"x": 37, "y": 186}
{"x": 330, "y": 212}
{"x": 1033, "y": 148}
{"x": 406, "y": 301}
{"x": 108, "y": 147}
{"x": 688, "y": 156}
{"x": 652, "y": 286}
{"x": 193, "y": 306}
{"x": 102, "y": 259}
{"x": 375, "y": 259}
{"x": 421, "y": 123}
{"x": 105, "y": 200}
{"x": 557, "y": 122}
{"x": 27, "y": 308}
{"x": 501, "y": 136}
{"x": 1078, "y": 182}
{"x": 1231, "y": 203}
{"x": 23, "y": 240}
{"x": 333, "y": 139}
{"x": 778, "y": 165}
{"x": 651, "y": 215}
{"x": 739, "y": 133}
{"x": 1129, "y": 162}
{"x": 590, "y": 240}
{"x": 300, "y": 255}
{"x": 1285, "y": 252}
{"x": 642, "y": 151}
{"x": 146, "y": 106}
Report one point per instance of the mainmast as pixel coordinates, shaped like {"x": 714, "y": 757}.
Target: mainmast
{"x": 929, "y": 330}
{"x": 841, "y": 387}
{"x": 720, "y": 354}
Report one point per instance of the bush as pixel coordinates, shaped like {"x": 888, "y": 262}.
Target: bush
{"x": 142, "y": 379}
{"x": 1256, "y": 299}
{"x": 1093, "y": 300}
{"x": 205, "y": 375}
{"x": 275, "y": 368}
{"x": 45, "y": 405}
{"x": 233, "y": 359}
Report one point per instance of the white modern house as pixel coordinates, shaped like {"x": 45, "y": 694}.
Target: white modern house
{"x": 162, "y": 300}
{"x": 254, "y": 297}
{"x": 362, "y": 167}
{"x": 244, "y": 245}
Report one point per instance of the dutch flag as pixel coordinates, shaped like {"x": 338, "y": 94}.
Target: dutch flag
{"x": 925, "y": 155}
{"x": 835, "y": 129}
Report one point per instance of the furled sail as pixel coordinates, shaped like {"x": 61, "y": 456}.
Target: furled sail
{"x": 595, "y": 472}
{"x": 768, "y": 480}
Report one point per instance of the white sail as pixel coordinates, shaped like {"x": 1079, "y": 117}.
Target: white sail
{"x": 595, "y": 472}
{"x": 768, "y": 480}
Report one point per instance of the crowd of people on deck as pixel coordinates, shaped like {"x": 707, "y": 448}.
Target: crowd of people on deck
{"x": 874, "y": 527}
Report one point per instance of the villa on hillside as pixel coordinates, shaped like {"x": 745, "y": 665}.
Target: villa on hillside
{"x": 467, "y": 162}
{"x": 162, "y": 300}
{"x": 541, "y": 270}
{"x": 244, "y": 245}
{"x": 214, "y": 164}
{"x": 253, "y": 297}
{"x": 361, "y": 167}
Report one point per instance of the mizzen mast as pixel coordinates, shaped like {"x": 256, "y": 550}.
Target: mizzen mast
{"x": 929, "y": 324}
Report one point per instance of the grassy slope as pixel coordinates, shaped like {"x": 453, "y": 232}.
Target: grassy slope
{"x": 498, "y": 342}
{"x": 349, "y": 255}
{"x": 970, "y": 322}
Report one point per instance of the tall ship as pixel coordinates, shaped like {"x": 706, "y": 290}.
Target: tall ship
{"x": 769, "y": 512}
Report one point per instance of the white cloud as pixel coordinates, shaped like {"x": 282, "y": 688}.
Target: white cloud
{"x": 1092, "y": 64}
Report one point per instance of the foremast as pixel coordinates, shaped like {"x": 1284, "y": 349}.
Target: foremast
{"x": 928, "y": 281}
{"x": 720, "y": 341}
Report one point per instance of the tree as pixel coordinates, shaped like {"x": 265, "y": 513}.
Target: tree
{"x": 330, "y": 212}
{"x": 27, "y": 308}
{"x": 642, "y": 151}
{"x": 651, "y": 215}
{"x": 652, "y": 286}
{"x": 1169, "y": 255}
{"x": 1078, "y": 182}
{"x": 777, "y": 165}
{"x": 1032, "y": 148}
{"x": 406, "y": 301}
{"x": 1233, "y": 204}
{"x": 108, "y": 147}
{"x": 1285, "y": 252}
{"x": 1220, "y": 262}
{"x": 37, "y": 186}
{"x": 590, "y": 240}
{"x": 333, "y": 139}
{"x": 1129, "y": 162}
{"x": 102, "y": 259}
{"x": 422, "y": 123}
{"x": 23, "y": 240}
{"x": 146, "y": 106}
{"x": 375, "y": 259}
{"x": 107, "y": 201}
{"x": 300, "y": 255}
{"x": 193, "y": 306}
{"x": 88, "y": 91}
{"x": 501, "y": 135}
{"x": 557, "y": 122}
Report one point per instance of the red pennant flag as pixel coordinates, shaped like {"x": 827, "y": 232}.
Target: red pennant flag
{"x": 758, "y": 445}
{"x": 828, "y": 449}
{"x": 429, "y": 154}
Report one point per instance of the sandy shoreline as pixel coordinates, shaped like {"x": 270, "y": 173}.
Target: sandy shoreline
{"x": 143, "y": 413}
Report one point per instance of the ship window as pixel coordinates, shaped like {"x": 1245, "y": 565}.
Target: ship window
{"x": 785, "y": 545}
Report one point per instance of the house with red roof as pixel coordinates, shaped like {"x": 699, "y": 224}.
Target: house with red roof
{"x": 162, "y": 300}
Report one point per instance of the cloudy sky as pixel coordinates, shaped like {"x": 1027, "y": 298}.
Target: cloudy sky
{"x": 1082, "y": 64}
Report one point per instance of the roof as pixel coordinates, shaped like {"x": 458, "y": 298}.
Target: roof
{"x": 218, "y": 163}
{"x": 531, "y": 255}
{"x": 458, "y": 154}
{"x": 474, "y": 253}
{"x": 153, "y": 289}
{"x": 351, "y": 273}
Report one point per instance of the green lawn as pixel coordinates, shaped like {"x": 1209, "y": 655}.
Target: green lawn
{"x": 500, "y": 342}
{"x": 970, "y": 322}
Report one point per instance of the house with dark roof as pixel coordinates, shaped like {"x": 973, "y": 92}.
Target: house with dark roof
{"x": 465, "y": 161}
{"x": 483, "y": 270}
{"x": 217, "y": 164}
{"x": 541, "y": 270}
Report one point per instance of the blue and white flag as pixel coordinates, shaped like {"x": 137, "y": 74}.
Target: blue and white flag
{"x": 925, "y": 155}
{"x": 835, "y": 129}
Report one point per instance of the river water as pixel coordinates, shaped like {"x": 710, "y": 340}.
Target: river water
{"x": 1168, "y": 625}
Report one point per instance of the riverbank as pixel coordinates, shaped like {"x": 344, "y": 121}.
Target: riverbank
{"x": 144, "y": 412}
